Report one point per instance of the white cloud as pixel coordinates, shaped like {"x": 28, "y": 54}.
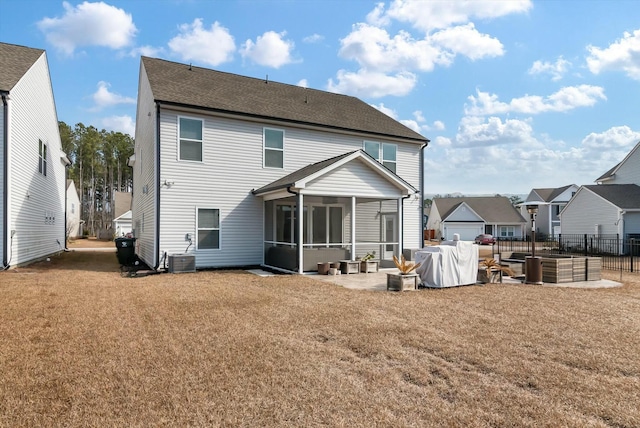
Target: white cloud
{"x": 468, "y": 41}
{"x": 124, "y": 124}
{"x": 442, "y": 141}
{"x": 146, "y": 51}
{"x": 89, "y": 24}
{"x": 430, "y": 15}
{"x": 623, "y": 54}
{"x": 557, "y": 70}
{"x": 303, "y": 83}
{"x": 372, "y": 84}
{"x": 616, "y": 138}
{"x": 375, "y": 49}
{"x": 195, "y": 43}
{"x": 478, "y": 131}
{"x": 438, "y": 125}
{"x": 386, "y": 110}
{"x": 567, "y": 98}
{"x": 314, "y": 38}
{"x": 270, "y": 49}
{"x": 103, "y": 98}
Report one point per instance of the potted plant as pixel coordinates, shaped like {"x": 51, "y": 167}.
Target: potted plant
{"x": 406, "y": 279}
{"x": 367, "y": 264}
{"x": 491, "y": 270}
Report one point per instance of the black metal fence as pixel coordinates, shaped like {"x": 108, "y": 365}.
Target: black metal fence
{"x": 616, "y": 252}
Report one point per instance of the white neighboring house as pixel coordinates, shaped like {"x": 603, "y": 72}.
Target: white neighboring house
{"x": 73, "y": 211}
{"x": 238, "y": 171}
{"x": 470, "y": 216}
{"x": 550, "y": 202}
{"x": 32, "y": 164}
{"x": 612, "y": 207}
{"x": 122, "y": 224}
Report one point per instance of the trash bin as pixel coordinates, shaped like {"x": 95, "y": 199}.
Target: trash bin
{"x": 533, "y": 270}
{"x": 126, "y": 251}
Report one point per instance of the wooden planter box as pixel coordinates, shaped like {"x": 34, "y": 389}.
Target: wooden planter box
{"x": 369, "y": 266}
{"x": 557, "y": 270}
{"x": 398, "y": 282}
{"x": 350, "y": 266}
{"x": 594, "y": 267}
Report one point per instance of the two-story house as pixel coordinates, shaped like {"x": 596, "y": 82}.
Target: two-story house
{"x": 611, "y": 207}
{"x": 470, "y": 216}
{"x": 32, "y": 164}
{"x": 549, "y": 202}
{"x": 238, "y": 171}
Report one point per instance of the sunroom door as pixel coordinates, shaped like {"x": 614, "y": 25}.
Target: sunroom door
{"x": 389, "y": 233}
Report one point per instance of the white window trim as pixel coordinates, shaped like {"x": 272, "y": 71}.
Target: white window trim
{"x": 42, "y": 158}
{"x": 508, "y": 228}
{"x": 265, "y": 148}
{"x": 189, "y": 139}
{"x": 219, "y": 229}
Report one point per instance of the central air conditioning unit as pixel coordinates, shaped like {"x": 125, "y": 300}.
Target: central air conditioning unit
{"x": 182, "y": 263}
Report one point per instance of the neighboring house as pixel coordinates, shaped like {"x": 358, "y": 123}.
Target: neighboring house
{"x": 472, "y": 216}
{"x": 604, "y": 210}
{"x": 32, "y": 164}
{"x": 550, "y": 202}
{"x": 122, "y": 203}
{"x": 122, "y": 224}
{"x": 73, "y": 211}
{"x": 625, "y": 172}
{"x": 239, "y": 171}
{"x": 611, "y": 207}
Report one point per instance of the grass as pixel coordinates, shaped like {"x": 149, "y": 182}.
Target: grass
{"x": 83, "y": 346}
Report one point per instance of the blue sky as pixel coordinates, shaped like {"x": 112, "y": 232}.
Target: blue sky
{"x": 513, "y": 95}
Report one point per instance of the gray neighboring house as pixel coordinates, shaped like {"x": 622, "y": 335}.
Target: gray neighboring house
{"x": 550, "y": 202}
{"x": 611, "y": 207}
{"x": 472, "y": 216}
{"x": 238, "y": 171}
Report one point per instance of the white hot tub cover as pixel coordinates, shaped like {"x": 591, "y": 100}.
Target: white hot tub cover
{"x": 450, "y": 264}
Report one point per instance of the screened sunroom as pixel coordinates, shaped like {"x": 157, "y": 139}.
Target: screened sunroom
{"x": 338, "y": 209}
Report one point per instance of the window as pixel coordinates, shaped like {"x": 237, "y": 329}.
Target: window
{"x": 73, "y": 208}
{"x": 384, "y": 153}
{"x": 507, "y": 231}
{"x": 42, "y": 162}
{"x": 322, "y": 224}
{"x": 190, "y": 131}
{"x": 208, "y": 229}
{"x": 273, "y": 141}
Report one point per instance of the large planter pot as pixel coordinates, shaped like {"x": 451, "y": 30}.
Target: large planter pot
{"x": 369, "y": 266}
{"x": 399, "y": 282}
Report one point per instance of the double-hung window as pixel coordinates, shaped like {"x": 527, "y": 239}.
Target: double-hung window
{"x": 208, "y": 229}
{"x": 507, "y": 231}
{"x": 190, "y": 141}
{"x": 42, "y": 161}
{"x": 384, "y": 153}
{"x": 273, "y": 142}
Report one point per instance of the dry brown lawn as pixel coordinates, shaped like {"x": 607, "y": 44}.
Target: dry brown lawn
{"x": 83, "y": 346}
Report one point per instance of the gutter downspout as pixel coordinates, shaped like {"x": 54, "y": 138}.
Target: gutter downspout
{"x": 157, "y": 232}
{"x": 422, "y": 225}
{"x": 296, "y": 225}
{"x": 66, "y": 229}
{"x": 5, "y": 180}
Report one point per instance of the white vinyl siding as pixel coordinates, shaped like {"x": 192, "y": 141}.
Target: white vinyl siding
{"x": 629, "y": 171}
{"x": 190, "y": 139}
{"x": 35, "y": 200}
{"x": 273, "y": 141}
{"x": 225, "y": 183}
{"x": 145, "y": 173}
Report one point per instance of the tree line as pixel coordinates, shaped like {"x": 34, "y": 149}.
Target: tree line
{"x": 98, "y": 169}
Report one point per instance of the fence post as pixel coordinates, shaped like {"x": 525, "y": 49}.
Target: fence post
{"x": 632, "y": 243}
{"x": 586, "y": 248}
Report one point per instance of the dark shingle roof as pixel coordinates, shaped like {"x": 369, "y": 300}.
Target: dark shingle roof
{"x": 549, "y": 194}
{"x": 14, "y": 62}
{"x": 625, "y": 196}
{"x": 608, "y": 174}
{"x": 187, "y": 85}
{"x": 492, "y": 209}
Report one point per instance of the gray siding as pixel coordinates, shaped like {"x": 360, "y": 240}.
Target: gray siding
{"x": 144, "y": 175}
{"x": 36, "y": 201}
{"x": 367, "y": 182}
{"x": 629, "y": 172}
{"x": 232, "y": 167}
{"x": 585, "y": 211}
{"x": 463, "y": 213}
{"x": 632, "y": 223}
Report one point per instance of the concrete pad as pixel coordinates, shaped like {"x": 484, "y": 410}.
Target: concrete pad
{"x": 260, "y": 272}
